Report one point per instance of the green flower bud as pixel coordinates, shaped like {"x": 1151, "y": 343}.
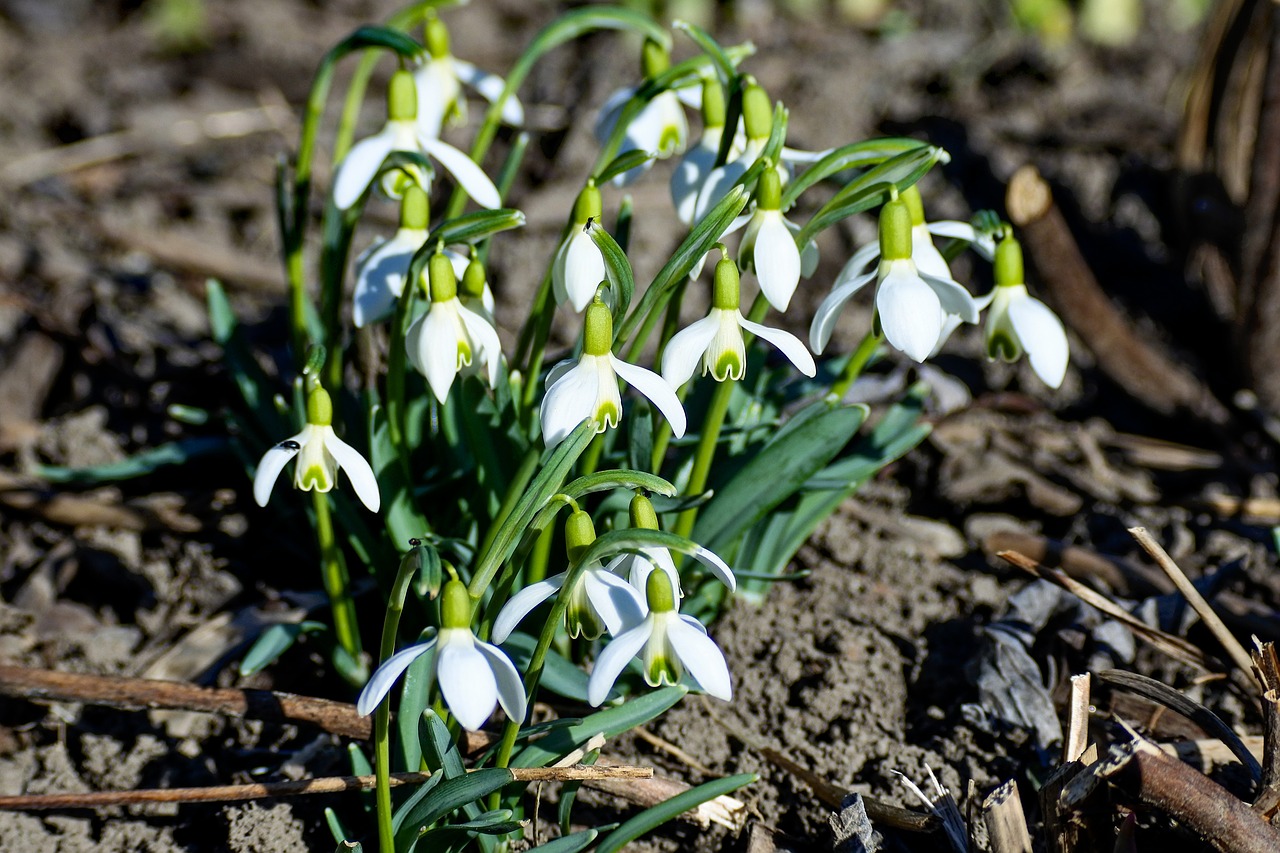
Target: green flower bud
{"x": 713, "y": 106}
{"x": 436, "y": 36}
{"x": 642, "y": 513}
{"x": 757, "y": 112}
{"x": 402, "y": 97}
{"x": 1008, "y": 264}
{"x": 654, "y": 59}
{"x": 455, "y": 606}
{"x": 579, "y": 533}
{"x": 895, "y": 231}
{"x": 415, "y": 210}
{"x": 588, "y": 205}
{"x": 915, "y": 204}
{"x": 769, "y": 189}
{"x": 474, "y": 279}
{"x": 726, "y": 294}
{"x": 444, "y": 284}
{"x": 662, "y": 598}
{"x": 319, "y": 407}
{"x": 597, "y": 332}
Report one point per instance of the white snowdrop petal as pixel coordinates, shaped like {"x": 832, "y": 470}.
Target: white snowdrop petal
{"x": 953, "y": 229}
{"x": 567, "y": 403}
{"x": 614, "y": 659}
{"x": 910, "y": 314}
{"x": 656, "y": 389}
{"x": 953, "y": 297}
{"x": 440, "y": 347}
{"x": 272, "y": 463}
{"x": 522, "y": 604}
{"x": 490, "y": 86}
{"x": 470, "y": 177}
{"x": 925, "y": 255}
{"x": 510, "y": 685}
{"x": 717, "y": 186}
{"x": 583, "y": 269}
{"x": 416, "y": 346}
{"x": 684, "y": 351}
{"x": 359, "y": 167}
{"x": 777, "y": 261}
{"x": 386, "y": 675}
{"x": 1043, "y": 337}
{"x": 358, "y": 470}
{"x": 824, "y": 319}
{"x": 717, "y": 567}
{"x": 787, "y": 343}
{"x": 485, "y": 338}
{"x": 856, "y": 266}
{"x": 466, "y": 681}
{"x": 619, "y": 604}
{"x": 701, "y": 657}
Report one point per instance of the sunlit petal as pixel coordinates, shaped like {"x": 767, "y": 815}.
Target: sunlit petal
{"x": 787, "y": 343}
{"x": 361, "y": 164}
{"x": 273, "y": 462}
{"x": 522, "y": 604}
{"x": 618, "y": 604}
{"x": 1043, "y": 338}
{"x": 510, "y": 685}
{"x": 614, "y": 659}
{"x": 358, "y": 471}
{"x": 470, "y": 177}
{"x": 684, "y": 351}
{"x": 824, "y": 319}
{"x": 910, "y": 314}
{"x": 385, "y": 676}
{"x": 658, "y": 391}
{"x": 438, "y": 347}
{"x": 777, "y": 260}
{"x": 490, "y": 86}
{"x": 567, "y": 403}
{"x": 701, "y": 657}
{"x": 466, "y": 681}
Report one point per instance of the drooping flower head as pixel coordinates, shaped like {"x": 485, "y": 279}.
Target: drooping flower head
{"x": 474, "y": 676}
{"x": 636, "y": 567}
{"x": 599, "y": 600}
{"x": 450, "y": 337}
{"x": 579, "y": 266}
{"x": 474, "y": 290}
{"x": 691, "y": 172}
{"x": 381, "y": 270}
{"x": 757, "y": 122}
{"x": 912, "y": 306}
{"x": 768, "y": 245}
{"x": 659, "y": 128}
{"x": 669, "y": 644}
{"x": 1019, "y": 322}
{"x": 440, "y": 79}
{"x": 588, "y": 387}
{"x": 401, "y": 133}
{"x": 320, "y": 454}
{"x": 716, "y": 341}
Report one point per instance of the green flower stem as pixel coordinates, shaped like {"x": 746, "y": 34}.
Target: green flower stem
{"x": 336, "y": 582}
{"x": 397, "y": 361}
{"x": 544, "y": 311}
{"x": 854, "y": 366}
{"x": 382, "y": 719}
{"x": 591, "y": 459}
{"x": 536, "y": 567}
{"x": 670, "y": 325}
{"x": 338, "y": 230}
{"x": 710, "y": 436}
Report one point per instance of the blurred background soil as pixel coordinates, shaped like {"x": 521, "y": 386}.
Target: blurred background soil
{"x": 134, "y": 168}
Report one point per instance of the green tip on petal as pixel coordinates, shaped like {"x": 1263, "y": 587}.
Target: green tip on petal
{"x": 597, "y": 331}
{"x": 769, "y": 189}
{"x": 728, "y": 366}
{"x": 757, "y": 112}
{"x": 895, "y": 231}
{"x": 915, "y": 204}
{"x": 474, "y": 279}
{"x": 1009, "y": 270}
{"x": 314, "y": 477}
{"x": 654, "y": 59}
{"x": 1000, "y": 345}
{"x": 579, "y": 533}
{"x": 713, "y": 106}
{"x": 589, "y": 204}
{"x": 643, "y": 514}
{"x": 402, "y": 97}
{"x": 455, "y": 605}
{"x": 319, "y": 407}
{"x": 436, "y": 36}
{"x": 727, "y": 292}
{"x": 415, "y": 209}
{"x": 444, "y": 283}
{"x": 658, "y": 590}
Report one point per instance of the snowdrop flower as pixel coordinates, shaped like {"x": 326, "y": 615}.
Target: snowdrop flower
{"x": 1018, "y": 321}
{"x": 320, "y": 454}
{"x": 358, "y": 169}
{"x": 716, "y": 340}
{"x": 691, "y": 172}
{"x": 757, "y": 121}
{"x": 578, "y": 268}
{"x": 599, "y": 600}
{"x": 768, "y": 246}
{"x": 440, "y": 79}
{"x": 668, "y": 643}
{"x": 588, "y": 388}
{"x": 474, "y": 676}
{"x": 912, "y": 306}
{"x": 637, "y": 567}
{"x": 450, "y": 336}
{"x": 659, "y": 128}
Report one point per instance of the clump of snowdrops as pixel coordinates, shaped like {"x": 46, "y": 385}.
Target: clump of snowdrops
{"x": 568, "y": 529}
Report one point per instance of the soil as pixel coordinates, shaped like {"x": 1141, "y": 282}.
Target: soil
{"x": 884, "y": 659}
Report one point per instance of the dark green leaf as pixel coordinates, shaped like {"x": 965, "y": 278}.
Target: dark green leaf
{"x": 139, "y": 465}
{"x": 558, "y": 675}
{"x": 617, "y": 268}
{"x": 624, "y": 162}
{"x": 274, "y": 642}
{"x": 857, "y": 155}
{"x": 446, "y": 797}
{"x": 569, "y": 843}
{"x": 656, "y": 816}
{"x": 610, "y": 722}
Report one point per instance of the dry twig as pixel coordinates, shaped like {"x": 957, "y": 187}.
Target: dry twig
{"x": 1006, "y": 824}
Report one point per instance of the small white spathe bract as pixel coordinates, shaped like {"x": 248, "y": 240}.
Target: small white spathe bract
{"x": 474, "y": 678}
{"x": 320, "y": 454}
{"x": 667, "y": 641}
{"x": 588, "y": 388}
